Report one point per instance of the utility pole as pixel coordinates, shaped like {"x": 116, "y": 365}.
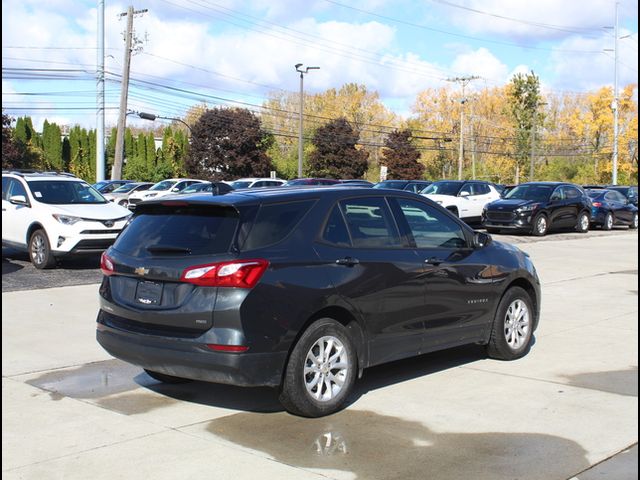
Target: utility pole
{"x": 124, "y": 93}
{"x": 300, "y": 143}
{"x": 464, "y": 81}
{"x": 473, "y": 143}
{"x": 100, "y": 96}
{"x": 614, "y": 105}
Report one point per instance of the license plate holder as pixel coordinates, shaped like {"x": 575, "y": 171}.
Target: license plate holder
{"x": 149, "y": 293}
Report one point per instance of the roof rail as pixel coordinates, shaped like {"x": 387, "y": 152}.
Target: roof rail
{"x": 28, "y": 171}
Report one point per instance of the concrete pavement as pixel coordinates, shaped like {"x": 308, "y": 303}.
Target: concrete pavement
{"x": 70, "y": 411}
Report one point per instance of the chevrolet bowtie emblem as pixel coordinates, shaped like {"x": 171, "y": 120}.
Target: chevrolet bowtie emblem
{"x": 141, "y": 271}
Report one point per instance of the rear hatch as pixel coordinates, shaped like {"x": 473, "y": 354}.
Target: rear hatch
{"x": 145, "y": 282}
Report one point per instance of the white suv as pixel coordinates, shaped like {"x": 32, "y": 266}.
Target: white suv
{"x": 165, "y": 187}
{"x": 51, "y": 215}
{"x": 257, "y": 183}
{"x": 466, "y": 199}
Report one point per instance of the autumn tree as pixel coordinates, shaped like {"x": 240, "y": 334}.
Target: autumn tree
{"x": 524, "y": 99}
{"x": 12, "y": 150}
{"x": 335, "y": 154}
{"x": 227, "y": 144}
{"x": 401, "y": 157}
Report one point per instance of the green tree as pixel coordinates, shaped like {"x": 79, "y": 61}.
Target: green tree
{"x": 335, "y": 154}
{"x": 524, "y": 99}
{"x": 401, "y": 157}
{"x": 227, "y": 144}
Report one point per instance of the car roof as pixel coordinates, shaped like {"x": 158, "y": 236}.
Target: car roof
{"x": 273, "y": 195}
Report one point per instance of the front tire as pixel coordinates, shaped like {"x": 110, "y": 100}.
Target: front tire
{"x": 540, "y": 225}
{"x": 321, "y": 370}
{"x": 512, "y": 329}
{"x": 583, "y": 223}
{"x": 40, "y": 251}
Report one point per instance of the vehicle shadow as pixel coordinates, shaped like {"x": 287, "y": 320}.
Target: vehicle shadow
{"x": 9, "y": 267}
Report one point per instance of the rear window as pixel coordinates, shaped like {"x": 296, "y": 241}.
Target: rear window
{"x": 190, "y": 230}
{"x": 274, "y": 222}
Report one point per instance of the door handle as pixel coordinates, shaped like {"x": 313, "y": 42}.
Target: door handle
{"x": 348, "y": 261}
{"x": 434, "y": 261}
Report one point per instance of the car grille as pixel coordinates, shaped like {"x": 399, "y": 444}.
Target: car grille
{"x": 500, "y": 216}
{"x": 94, "y": 244}
{"x": 100, "y": 232}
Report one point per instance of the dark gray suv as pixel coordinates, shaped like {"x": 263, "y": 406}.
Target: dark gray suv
{"x": 303, "y": 288}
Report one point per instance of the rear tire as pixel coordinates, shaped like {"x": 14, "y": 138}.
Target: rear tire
{"x": 321, "y": 370}
{"x": 583, "y": 223}
{"x": 608, "y": 222}
{"x": 40, "y": 250}
{"x": 164, "y": 378}
{"x": 634, "y": 222}
{"x": 512, "y": 329}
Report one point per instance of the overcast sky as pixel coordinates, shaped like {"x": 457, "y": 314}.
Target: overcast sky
{"x": 228, "y": 52}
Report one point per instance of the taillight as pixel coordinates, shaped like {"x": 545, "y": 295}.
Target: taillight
{"x": 238, "y": 273}
{"x": 106, "y": 264}
{"x": 596, "y": 204}
{"x": 227, "y": 348}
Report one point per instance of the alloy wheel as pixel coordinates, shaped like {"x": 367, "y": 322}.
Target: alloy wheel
{"x": 516, "y": 324}
{"x": 326, "y": 368}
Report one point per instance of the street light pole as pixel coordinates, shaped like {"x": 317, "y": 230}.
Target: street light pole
{"x": 614, "y": 179}
{"x": 300, "y": 144}
{"x": 152, "y": 117}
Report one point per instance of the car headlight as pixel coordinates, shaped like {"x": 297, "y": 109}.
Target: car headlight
{"x": 527, "y": 208}
{"x": 66, "y": 219}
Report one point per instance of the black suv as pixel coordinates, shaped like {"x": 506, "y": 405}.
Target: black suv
{"x": 631, "y": 193}
{"x": 537, "y": 207}
{"x": 301, "y": 289}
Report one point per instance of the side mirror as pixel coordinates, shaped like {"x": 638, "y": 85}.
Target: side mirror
{"x": 481, "y": 239}
{"x": 175, "y": 189}
{"x": 19, "y": 200}
{"x": 464, "y": 194}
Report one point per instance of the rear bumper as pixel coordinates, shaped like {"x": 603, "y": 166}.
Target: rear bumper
{"x": 191, "y": 358}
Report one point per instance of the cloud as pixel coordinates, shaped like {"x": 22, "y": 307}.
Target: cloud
{"x": 589, "y": 72}
{"x": 542, "y": 19}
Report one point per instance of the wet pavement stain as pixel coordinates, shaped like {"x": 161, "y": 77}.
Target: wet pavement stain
{"x": 93, "y": 380}
{"x": 374, "y": 446}
{"x": 126, "y": 389}
{"x": 622, "y": 382}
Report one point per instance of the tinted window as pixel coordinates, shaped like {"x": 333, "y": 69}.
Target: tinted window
{"x": 537, "y": 193}
{"x": 443, "y": 188}
{"x": 571, "y": 193}
{"x": 370, "y": 223}
{"x": 274, "y": 222}
{"x": 431, "y": 228}
{"x": 238, "y": 184}
{"x": 396, "y": 184}
{"x": 192, "y": 230}
{"x": 5, "y": 188}
{"x": 615, "y": 197}
{"x": 56, "y": 192}
{"x": 480, "y": 189}
{"x": 14, "y": 187}
{"x": 335, "y": 231}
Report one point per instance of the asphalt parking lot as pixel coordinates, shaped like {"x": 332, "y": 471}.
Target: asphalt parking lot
{"x": 567, "y": 410}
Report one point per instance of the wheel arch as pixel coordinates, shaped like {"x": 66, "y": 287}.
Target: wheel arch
{"x": 32, "y": 228}
{"x": 347, "y": 320}
{"x": 528, "y": 287}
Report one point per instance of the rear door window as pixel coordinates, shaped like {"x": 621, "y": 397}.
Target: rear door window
{"x": 370, "y": 223}
{"x": 274, "y": 222}
{"x": 184, "y": 230}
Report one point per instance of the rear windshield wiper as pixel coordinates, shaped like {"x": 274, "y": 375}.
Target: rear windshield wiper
{"x": 168, "y": 249}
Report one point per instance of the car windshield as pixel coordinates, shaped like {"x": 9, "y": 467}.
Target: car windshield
{"x": 127, "y": 187}
{"x": 241, "y": 184}
{"x": 538, "y": 193}
{"x": 443, "y": 188}
{"x": 164, "y": 185}
{"x": 57, "y": 192}
{"x": 397, "y": 185}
